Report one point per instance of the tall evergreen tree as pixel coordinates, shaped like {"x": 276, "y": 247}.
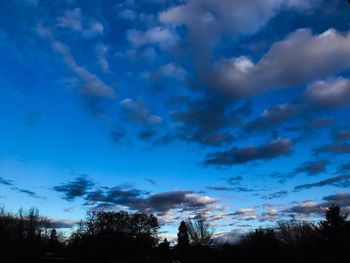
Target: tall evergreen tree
{"x": 182, "y": 236}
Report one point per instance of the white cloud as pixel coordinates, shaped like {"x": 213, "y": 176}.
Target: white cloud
{"x": 300, "y": 58}
{"x": 162, "y": 36}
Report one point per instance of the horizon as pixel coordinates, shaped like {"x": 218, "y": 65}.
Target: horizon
{"x": 234, "y": 110}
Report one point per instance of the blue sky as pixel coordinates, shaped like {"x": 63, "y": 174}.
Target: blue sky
{"x": 237, "y": 110}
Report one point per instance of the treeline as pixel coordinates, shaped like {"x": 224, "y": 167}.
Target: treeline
{"x": 125, "y": 237}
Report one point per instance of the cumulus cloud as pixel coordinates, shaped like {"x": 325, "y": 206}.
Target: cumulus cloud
{"x": 339, "y": 181}
{"x": 298, "y": 59}
{"x": 273, "y": 149}
{"x": 331, "y": 93}
{"x": 135, "y": 110}
{"x": 209, "y": 19}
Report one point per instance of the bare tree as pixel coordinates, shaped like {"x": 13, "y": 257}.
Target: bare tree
{"x": 200, "y": 231}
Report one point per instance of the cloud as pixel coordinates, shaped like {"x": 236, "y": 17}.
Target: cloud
{"x": 249, "y": 214}
{"x": 273, "y": 149}
{"x": 135, "y": 110}
{"x": 73, "y": 19}
{"x": 281, "y": 67}
{"x": 101, "y": 51}
{"x": 172, "y": 70}
{"x": 273, "y": 116}
{"x": 162, "y": 36}
{"x": 206, "y": 19}
{"x": 312, "y": 168}
{"x": 79, "y": 187}
{"x": 205, "y": 121}
{"x": 342, "y": 135}
{"x": 335, "y": 148}
{"x": 127, "y": 14}
{"x": 6, "y": 182}
{"x": 306, "y": 208}
{"x": 234, "y": 180}
{"x": 275, "y": 195}
{"x": 339, "y": 181}
{"x": 344, "y": 168}
{"x": 147, "y": 135}
{"x": 126, "y": 197}
{"x": 331, "y": 93}
{"x": 341, "y": 199}
{"x": 221, "y": 188}
{"x": 93, "y": 85}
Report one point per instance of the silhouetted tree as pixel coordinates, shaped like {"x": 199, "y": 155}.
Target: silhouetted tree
{"x": 182, "y": 236}
{"x": 334, "y": 230}
{"x": 115, "y": 234}
{"x": 200, "y": 231}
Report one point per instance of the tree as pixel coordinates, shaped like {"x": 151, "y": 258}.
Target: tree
{"x": 334, "y": 230}
{"x": 200, "y": 231}
{"x": 182, "y": 236}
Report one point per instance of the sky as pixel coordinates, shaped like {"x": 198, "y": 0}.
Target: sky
{"x": 235, "y": 110}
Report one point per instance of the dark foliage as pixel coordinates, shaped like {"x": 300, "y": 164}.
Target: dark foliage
{"x": 124, "y": 237}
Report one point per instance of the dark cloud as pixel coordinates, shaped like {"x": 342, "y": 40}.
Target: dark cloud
{"x": 306, "y": 208}
{"x": 341, "y": 199}
{"x": 118, "y": 136}
{"x": 147, "y": 135}
{"x": 344, "y": 167}
{"x": 151, "y": 181}
{"x": 273, "y": 116}
{"x": 335, "y": 148}
{"x": 136, "y": 199}
{"x": 234, "y": 180}
{"x": 76, "y": 188}
{"x": 318, "y": 208}
{"x": 342, "y": 135}
{"x": 320, "y": 123}
{"x": 221, "y": 188}
{"x": 205, "y": 121}
{"x": 244, "y": 155}
{"x": 275, "y": 195}
{"x": 28, "y": 192}
{"x": 312, "y": 168}
{"x": 5, "y": 181}
{"x": 339, "y": 181}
